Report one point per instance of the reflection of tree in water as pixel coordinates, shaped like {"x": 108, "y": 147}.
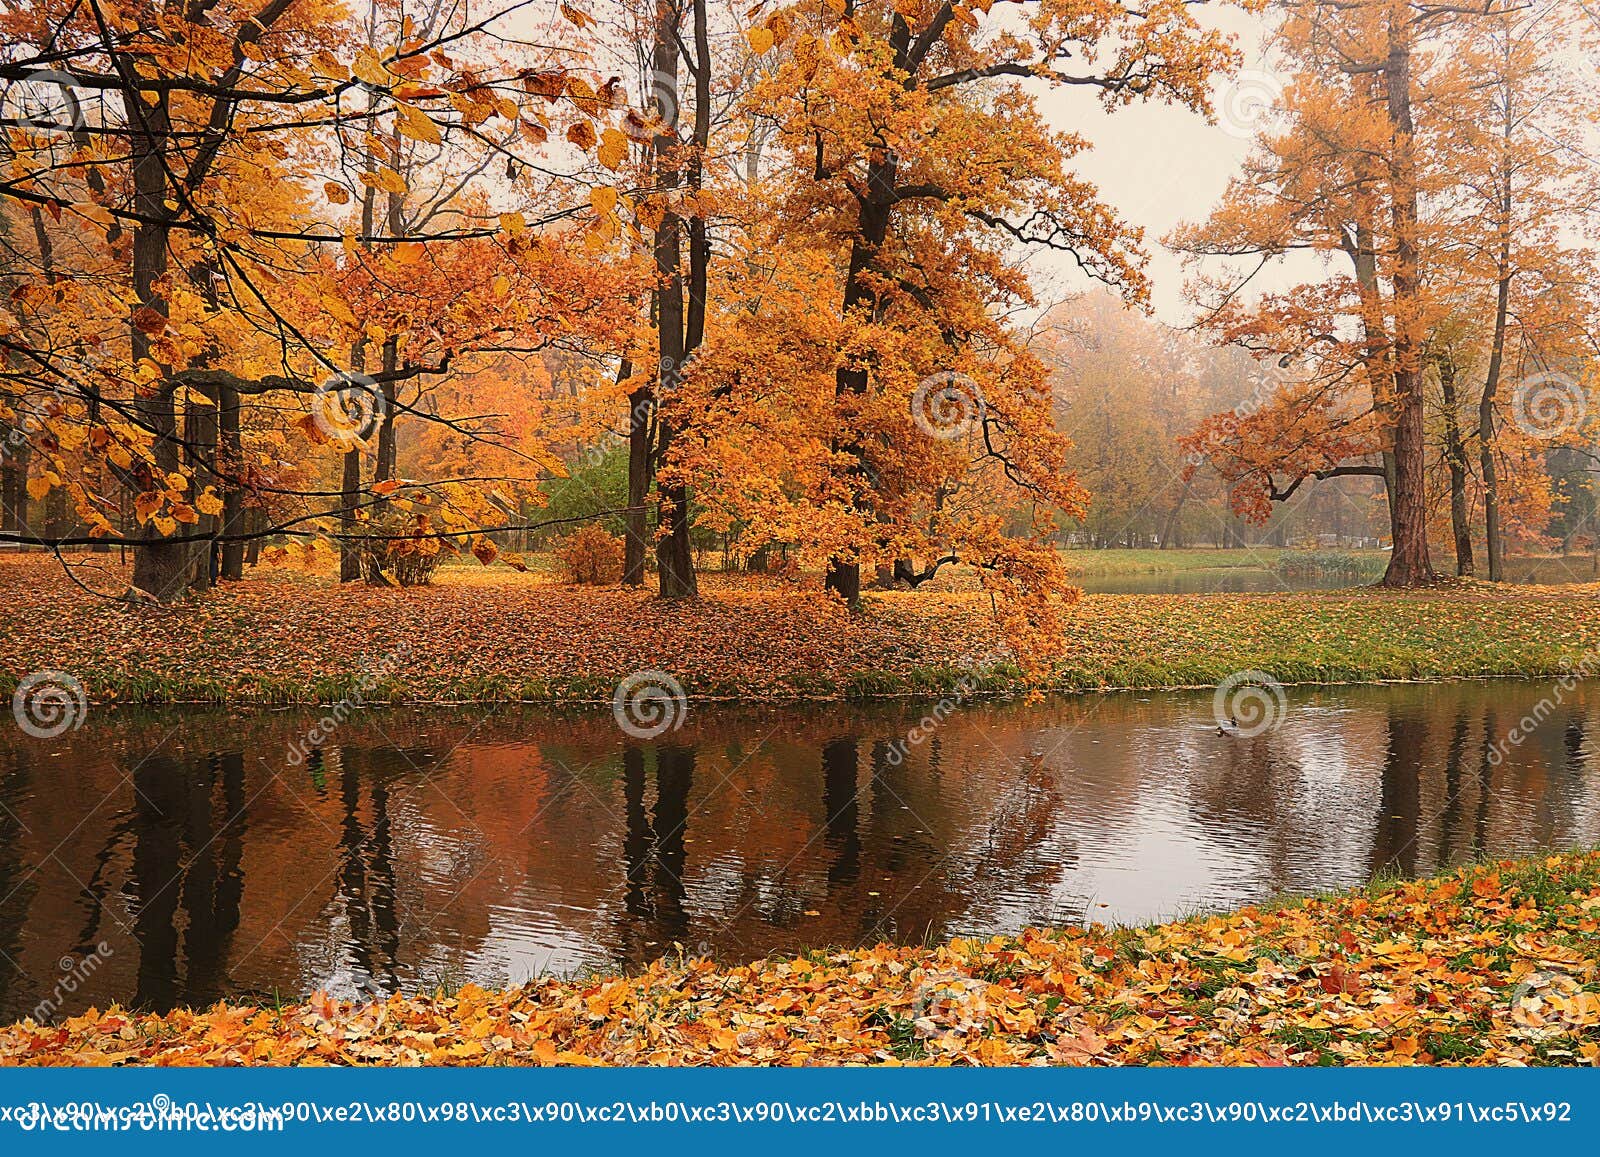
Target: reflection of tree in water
{"x": 841, "y": 807}
{"x": 654, "y": 853}
{"x": 365, "y": 889}
{"x": 899, "y": 867}
{"x": 17, "y": 886}
{"x": 1394, "y": 847}
{"x": 189, "y": 828}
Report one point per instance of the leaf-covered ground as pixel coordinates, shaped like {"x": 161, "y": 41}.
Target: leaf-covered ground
{"x": 1497, "y": 964}
{"x": 493, "y": 634}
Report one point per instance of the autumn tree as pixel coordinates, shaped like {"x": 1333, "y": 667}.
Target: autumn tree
{"x": 178, "y": 179}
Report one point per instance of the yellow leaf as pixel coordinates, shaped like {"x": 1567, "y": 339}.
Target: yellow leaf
{"x": 369, "y": 68}
{"x": 613, "y": 150}
{"x": 145, "y": 505}
{"x": 42, "y": 484}
{"x": 208, "y": 503}
{"x": 336, "y": 193}
{"x": 760, "y": 40}
{"x": 513, "y": 223}
{"x": 604, "y": 199}
{"x": 415, "y": 123}
{"x": 386, "y": 179}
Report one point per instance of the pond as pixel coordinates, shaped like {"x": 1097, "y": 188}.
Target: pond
{"x": 1219, "y": 580}
{"x": 167, "y": 859}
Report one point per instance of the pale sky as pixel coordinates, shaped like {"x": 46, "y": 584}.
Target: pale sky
{"x": 1159, "y": 166}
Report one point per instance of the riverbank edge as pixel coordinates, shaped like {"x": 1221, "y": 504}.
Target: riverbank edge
{"x": 1488, "y": 963}
{"x": 923, "y": 685}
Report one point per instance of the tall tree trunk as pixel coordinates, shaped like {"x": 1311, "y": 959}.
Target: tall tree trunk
{"x": 350, "y": 474}
{"x": 1456, "y": 459}
{"x": 641, "y": 410}
{"x": 674, "y": 329}
{"x": 1409, "y": 565}
{"x": 1495, "y": 542}
{"x": 160, "y": 566}
{"x": 231, "y": 460}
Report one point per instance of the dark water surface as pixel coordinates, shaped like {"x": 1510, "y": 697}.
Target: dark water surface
{"x": 418, "y": 847}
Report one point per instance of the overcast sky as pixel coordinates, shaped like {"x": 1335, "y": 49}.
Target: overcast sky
{"x": 1159, "y": 166}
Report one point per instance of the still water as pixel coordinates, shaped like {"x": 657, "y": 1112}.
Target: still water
{"x": 1218, "y": 580}
{"x": 445, "y": 846}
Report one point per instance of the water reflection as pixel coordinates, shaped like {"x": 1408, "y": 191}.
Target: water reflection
{"x": 424, "y": 846}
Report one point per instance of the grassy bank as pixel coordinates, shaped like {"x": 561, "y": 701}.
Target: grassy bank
{"x": 1495, "y": 964}
{"x": 496, "y": 635}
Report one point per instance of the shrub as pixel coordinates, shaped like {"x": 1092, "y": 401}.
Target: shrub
{"x": 1315, "y": 563}
{"x": 591, "y": 557}
{"x": 410, "y": 559}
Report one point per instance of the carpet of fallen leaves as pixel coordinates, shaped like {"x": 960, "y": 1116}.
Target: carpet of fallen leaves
{"x": 1496, "y": 964}
{"x": 284, "y": 636}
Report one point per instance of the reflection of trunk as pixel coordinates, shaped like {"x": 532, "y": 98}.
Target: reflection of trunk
{"x": 674, "y": 777}
{"x": 1454, "y": 760}
{"x": 213, "y": 882}
{"x": 18, "y": 883}
{"x": 157, "y": 863}
{"x": 353, "y": 869}
{"x": 1394, "y": 848}
{"x": 840, "y": 809}
{"x": 1480, "y": 825}
{"x": 1455, "y": 454}
{"x": 636, "y": 843}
